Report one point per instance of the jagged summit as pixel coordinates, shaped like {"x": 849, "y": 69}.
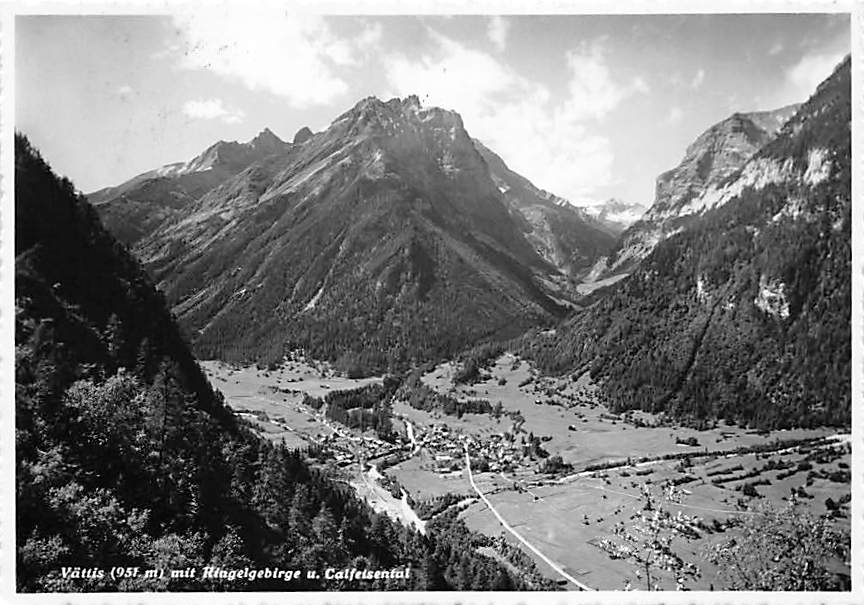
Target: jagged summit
{"x": 266, "y": 141}
{"x": 302, "y": 135}
{"x": 372, "y": 111}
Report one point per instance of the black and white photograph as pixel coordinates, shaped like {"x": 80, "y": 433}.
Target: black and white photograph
{"x": 393, "y": 299}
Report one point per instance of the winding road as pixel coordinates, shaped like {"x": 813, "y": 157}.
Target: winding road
{"x": 516, "y": 535}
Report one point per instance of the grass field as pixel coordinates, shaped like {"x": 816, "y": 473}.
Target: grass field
{"x": 598, "y": 436}
{"x": 566, "y": 520}
{"x": 563, "y": 515}
{"x": 315, "y": 378}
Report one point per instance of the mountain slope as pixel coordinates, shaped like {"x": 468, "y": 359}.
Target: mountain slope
{"x": 567, "y": 237}
{"x": 380, "y": 241}
{"x": 687, "y": 190}
{"x": 745, "y": 315}
{"x": 135, "y": 208}
{"x": 125, "y": 456}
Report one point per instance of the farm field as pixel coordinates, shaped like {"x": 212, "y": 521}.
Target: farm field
{"x": 598, "y": 436}
{"x": 565, "y": 515}
{"x": 258, "y": 397}
{"x": 417, "y": 476}
{"x": 566, "y": 520}
{"x": 307, "y": 376}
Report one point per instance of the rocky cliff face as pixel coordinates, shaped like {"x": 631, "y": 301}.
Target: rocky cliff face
{"x": 688, "y": 189}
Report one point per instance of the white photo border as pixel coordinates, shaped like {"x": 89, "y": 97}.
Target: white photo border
{"x": 8, "y": 12}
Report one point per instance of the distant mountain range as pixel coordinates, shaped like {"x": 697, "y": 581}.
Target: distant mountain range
{"x": 388, "y": 238}
{"x": 745, "y": 313}
{"x": 616, "y": 215}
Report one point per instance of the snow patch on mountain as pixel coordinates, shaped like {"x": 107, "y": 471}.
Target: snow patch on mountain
{"x": 615, "y": 212}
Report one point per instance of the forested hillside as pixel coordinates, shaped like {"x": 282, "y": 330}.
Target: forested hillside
{"x": 746, "y": 314}
{"x": 126, "y": 456}
{"x": 683, "y": 193}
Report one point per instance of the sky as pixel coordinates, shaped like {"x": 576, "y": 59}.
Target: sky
{"x": 585, "y": 106}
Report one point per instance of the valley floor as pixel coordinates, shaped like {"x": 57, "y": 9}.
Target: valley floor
{"x": 566, "y": 515}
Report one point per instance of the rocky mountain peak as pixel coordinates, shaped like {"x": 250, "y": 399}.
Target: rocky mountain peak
{"x": 713, "y": 157}
{"x": 398, "y": 116}
{"x": 411, "y": 102}
{"x": 267, "y": 142}
{"x": 303, "y": 135}
{"x": 685, "y": 191}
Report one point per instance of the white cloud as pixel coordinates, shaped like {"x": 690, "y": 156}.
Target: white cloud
{"x": 124, "y": 91}
{"x": 550, "y": 143}
{"x": 212, "y": 109}
{"x": 369, "y": 38}
{"x": 698, "y": 79}
{"x": 809, "y": 72}
{"x": 776, "y": 48}
{"x": 497, "y": 31}
{"x": 455, "y": 78}
{"x": 801, "y": 79}
{"x": 592, "y": 92}
{"x": 293, "y": 56}
{"x": 674, "y": 116}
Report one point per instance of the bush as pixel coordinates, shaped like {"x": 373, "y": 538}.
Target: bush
{"x": 748, "y": 489}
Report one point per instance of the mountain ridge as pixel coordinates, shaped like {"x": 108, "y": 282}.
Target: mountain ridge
{"x": 684, "y": 191}
{"x": 136, "y": 207}
{"x": 390, "y": 217}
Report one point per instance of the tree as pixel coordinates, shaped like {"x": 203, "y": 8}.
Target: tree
{"x": 647, "y": 542}
{"x": 783, "y": 549}
{"x": 115, "y": 338}
{"x": 432, "y": 572}
{"x": 750, "y": 490}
